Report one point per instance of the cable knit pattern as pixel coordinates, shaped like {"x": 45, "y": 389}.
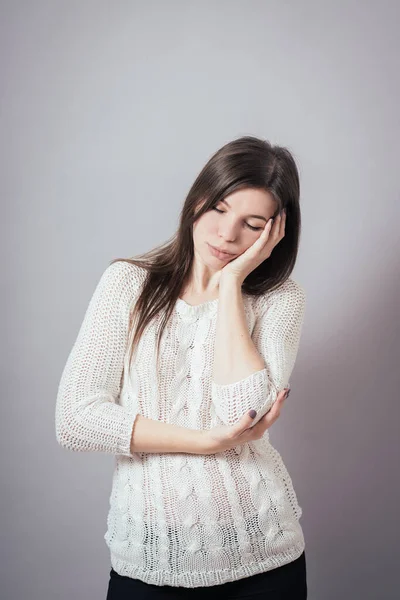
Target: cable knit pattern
{"x": 175, "y": 518}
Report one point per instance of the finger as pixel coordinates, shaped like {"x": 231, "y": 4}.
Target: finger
{"x": 282, "y": 223}
{"x": 272, "y": 415}
{"x": 281, "y": 398}
{"x": 269, "y": 225}
{"x": 266, "y": 231}
{"x": 244, "y": 423}
{"x": 274, "y": 233}
{"x": 277, "y": 405}
{"x": 276, "y": 408}
{"x": 269, "y": 418}
{"x": 261, "y": 241}
{"x": 265, "y": 423}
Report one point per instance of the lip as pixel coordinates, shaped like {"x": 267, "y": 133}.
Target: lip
{"x": 219, "y": 254}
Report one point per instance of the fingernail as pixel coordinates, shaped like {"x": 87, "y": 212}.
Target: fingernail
{"x": 252, "y": 413}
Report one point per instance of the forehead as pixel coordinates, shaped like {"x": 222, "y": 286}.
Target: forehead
{"x": 251, "y": 200}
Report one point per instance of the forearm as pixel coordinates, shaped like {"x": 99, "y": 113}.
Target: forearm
{"x": 149, "y": 435}
{"x": 251, "y": 369}
{"x": 235, "y": 355}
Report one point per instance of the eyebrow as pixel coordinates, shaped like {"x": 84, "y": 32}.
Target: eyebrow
{"x": 255, "y": 216}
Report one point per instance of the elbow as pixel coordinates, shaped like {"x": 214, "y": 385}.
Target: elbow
{"x": 230, "y": 409}
{"x": 95, "y": 424}
{"x": 66, "y": 438}
{"x": 264, "y": 407}
{"x": 70, "y": 433}
{"x": 73, "y": 428}
{"x": 231, "y": 402}
{"x": 232, "y": 417}
{"x": 69, "y": 440}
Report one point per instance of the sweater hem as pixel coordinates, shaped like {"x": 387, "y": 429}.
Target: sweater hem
{"x": 191, "y": 579}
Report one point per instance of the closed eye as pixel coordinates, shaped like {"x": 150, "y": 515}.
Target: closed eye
{"x": 249, "y": 226}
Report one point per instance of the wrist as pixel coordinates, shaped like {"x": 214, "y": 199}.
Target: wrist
{"x": 201, "y": 442}
{"x": 230, "y": 282}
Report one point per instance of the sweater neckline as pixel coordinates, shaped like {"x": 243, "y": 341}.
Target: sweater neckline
{"x": 208, "y": 308}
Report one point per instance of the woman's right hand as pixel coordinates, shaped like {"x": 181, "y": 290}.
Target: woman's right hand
{"x": 225, "y": 437}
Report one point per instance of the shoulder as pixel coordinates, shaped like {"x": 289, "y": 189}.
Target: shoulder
{"x": 122, "y": 276}
{"x": 290, "y": 294}
{"x": 126, "y": 270}
{"x": 290, "y": 288}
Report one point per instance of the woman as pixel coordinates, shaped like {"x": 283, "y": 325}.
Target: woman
{"x": 179, "y": 368}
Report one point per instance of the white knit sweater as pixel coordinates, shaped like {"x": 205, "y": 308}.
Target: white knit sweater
{"x": 182, "y": 519}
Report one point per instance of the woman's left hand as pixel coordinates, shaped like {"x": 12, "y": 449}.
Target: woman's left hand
{"x": 249, "y": 260}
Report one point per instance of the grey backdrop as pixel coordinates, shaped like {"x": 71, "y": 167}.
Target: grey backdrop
{"x": 108, "y": 112}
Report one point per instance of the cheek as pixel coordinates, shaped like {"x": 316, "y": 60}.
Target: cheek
{"x": 204, "y": 226}
{"x": 248, "y": 242}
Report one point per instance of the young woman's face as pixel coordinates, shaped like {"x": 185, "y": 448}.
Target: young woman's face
{"x": 235, "y": 228}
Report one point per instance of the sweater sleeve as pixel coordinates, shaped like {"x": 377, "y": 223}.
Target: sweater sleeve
{"x": 88, "y": 417}
{"x": 276, "y": 335}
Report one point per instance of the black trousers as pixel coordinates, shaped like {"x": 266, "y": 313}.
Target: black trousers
{"x": 288, "y": 582}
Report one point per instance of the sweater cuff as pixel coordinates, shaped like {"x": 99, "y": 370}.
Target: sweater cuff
{"x": 104, "y": 427}
{"x": 232, "y": 400}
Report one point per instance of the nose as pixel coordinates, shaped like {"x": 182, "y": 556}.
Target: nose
{"x": 228, "y": 232}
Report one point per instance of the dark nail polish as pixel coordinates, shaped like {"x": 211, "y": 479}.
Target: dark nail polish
{"x": 252, "y": 413}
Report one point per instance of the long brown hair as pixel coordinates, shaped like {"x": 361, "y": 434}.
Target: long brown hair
{"x": 246, "y": 162}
